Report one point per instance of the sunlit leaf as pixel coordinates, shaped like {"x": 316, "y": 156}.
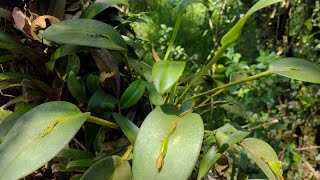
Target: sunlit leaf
{"x": 208, "y": 160}
{"x": 85, "y": 32}
{"x": 154, "y": 96}
{"x": 132, "y": 94}
{"x": 235, "y": 32}
{"x": 128, "y": 127}
{"x": 51, "y": 125}
{"x": 183, "y": 148}
{"x": 260, "y": 150}
{"x": 112, "y": 168}
{"x": 98, "y": 6}
{"x": 166, "y": 73}
{"x": 296, "y": 69}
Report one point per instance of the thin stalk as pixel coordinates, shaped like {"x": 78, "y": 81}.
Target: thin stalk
{"x": 173, "y": 37}
{"x": 205, "y": 69}
{"x": 208, "y": 99}
{"x": 127, "y": 153}
{"x": 102, "y": 122}
{"x": 126, "y": 60}
{"x": 225, "y": 86}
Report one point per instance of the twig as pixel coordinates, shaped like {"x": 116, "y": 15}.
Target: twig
{"x": 308, "y": 148}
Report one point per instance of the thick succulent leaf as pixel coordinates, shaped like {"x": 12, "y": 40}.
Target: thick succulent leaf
{"x": 51, "y": 125}
{"x": 9, "y": 121}
{"x": 208, "y": 161}
{"x": 98, "y": 6}
{"x": 77, "y": 88}
{"x": 183, "y": 146}
{"x": 260, "y": 150}
{"x": 132, "y": 94}
{"x": 154, "y": 96}
{"x": 235, "y": 32}
{"x": 128, "y": 127}
{"x": 166, "y": 73}
{"x": 85, "y": 32}
{"x": 296, "y": 69}
{"x": 112, "y": 168}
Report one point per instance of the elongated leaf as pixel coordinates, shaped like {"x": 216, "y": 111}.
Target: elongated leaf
{"x": 98, "y": 6}
{"x": 142, "y": 68}
{"x": 85, "y": 32}
{"x": 11, "y": 75}
{"x": 235, "y": 31}
{"x": 77, "y": 88}
{"x": 8, "y": 122}
{"x": 166, "y": 73}
{"x": 102, "y": 104}
{"x": 226, "y": 136}
{"x": 154, "y": 96}
{"x": 259, "y": 149}
{"x": 64, "y": 51}
{"x": 51, "y": 125}
{"x": 208, "y": 160}
{"x": 73, "y": 64}
{"x": 132, "y": 94}
{"x": 112, "y": 168}
{"x": 296, "y": 69}
{"x": 185, "y": 3}
{"x": 80, "y": 165}
{"x": 6, "y": 58}
{"x": 93, "y": 83}
{"x": 75, "y": 154}
{"x": 128, "y": 127}
{"x": 10, "y": 83}
{"x": 183, "y": 146}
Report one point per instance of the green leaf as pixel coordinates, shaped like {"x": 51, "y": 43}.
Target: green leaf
{"x": 77, "y": 88}
{"x": 93, "y": 83}
{"x": 74, "y": 154}
{"x": 73, "y": 64}
{"x": 142, "y": 68}
{"x": 80, "y": 165}
{"x": 4, "y": 114}
{"x": 51, "y": 125}
{"x": 112, "y": 168}
{"x": 235, "y": 32}
{"x": 183, "y": 148}
{"x": 64, "y": 51}
{"x": 128, "y": 127}
{"x": 9, "y": 121}
{"x": 166, "y": 73}
{"x": 132, "y": 94}
{"x": 208, "y": 160}
{"x": 98, "y": 6}
{"x": 6, "y": 58}
{"x": 259, "y": 149}
{"x": 296, "y": 69}
{"x": 154, "y": 96}
{"x": 226, "y": 136}
{"x": 11, "y": 75}
{"x": 185, "y": 3}
{"x": 85, "y": 32}
{"x": 102, "y": 104}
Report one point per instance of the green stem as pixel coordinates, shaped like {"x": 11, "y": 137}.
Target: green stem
{"x": 266, "y": 73}
{"x": 174, "y": 35}
{"x": 205, "y": 69}
{"x": 102, "y": 122}
{"x": 126, "y": 60}
{"x": 208, "y": 99}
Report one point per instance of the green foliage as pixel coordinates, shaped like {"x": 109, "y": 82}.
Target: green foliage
{"x": 196, "y": 102}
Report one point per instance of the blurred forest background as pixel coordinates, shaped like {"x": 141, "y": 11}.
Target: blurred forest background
{"x": 285, "y": 115}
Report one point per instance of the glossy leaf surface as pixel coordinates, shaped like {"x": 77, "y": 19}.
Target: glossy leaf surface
{"x": 260, "y": 150}
{"x": 51, "y": 125}
{"x": 166, "y": 73}
{"x": 296, "y": 69}
{"x": 112, "y": 168}
{"x": 132, "y": 94}
{"x": 235, "y": 31}
{"x": 85, "y": 32}
{"x": 183, "y": 146}
{"x": 98, "y": 6}
{"x": 128, "y": 127}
